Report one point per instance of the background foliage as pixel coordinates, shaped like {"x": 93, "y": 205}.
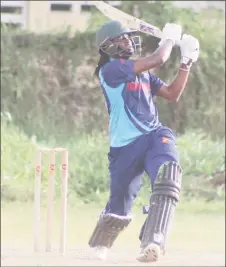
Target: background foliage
{"x": 203, "y": 165}
{"x": 54, "y": 75}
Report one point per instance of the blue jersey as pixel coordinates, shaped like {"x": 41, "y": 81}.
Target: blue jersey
{"x": 129, "y": 98}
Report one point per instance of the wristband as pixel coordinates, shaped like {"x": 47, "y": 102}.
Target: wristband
{"x": 187, "y": 61}
{"x": 166, "y": 39}
{"x": 185, "y": 67}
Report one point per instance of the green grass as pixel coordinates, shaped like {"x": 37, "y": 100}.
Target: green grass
{"x": 193, "y": 231}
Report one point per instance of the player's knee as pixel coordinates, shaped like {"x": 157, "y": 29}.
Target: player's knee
{"x": 168, "y": 181}
{"x": 157, "y": 164}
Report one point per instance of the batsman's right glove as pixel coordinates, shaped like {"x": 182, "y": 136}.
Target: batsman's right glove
{"x": 189, "y": 47}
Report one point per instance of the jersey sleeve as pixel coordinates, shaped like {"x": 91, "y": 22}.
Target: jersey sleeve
{"x": 155, "y": 83}
{"x": 118, "y": 71}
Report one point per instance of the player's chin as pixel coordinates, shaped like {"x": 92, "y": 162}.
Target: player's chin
{"x": 130, "y": 51}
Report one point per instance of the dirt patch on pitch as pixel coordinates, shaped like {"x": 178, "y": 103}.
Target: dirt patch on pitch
{"x": 83, "y": 257}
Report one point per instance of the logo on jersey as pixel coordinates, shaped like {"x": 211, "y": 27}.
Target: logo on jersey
{"x": 137, "y": 86}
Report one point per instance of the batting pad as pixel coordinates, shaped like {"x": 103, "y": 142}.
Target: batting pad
{"x": 165, "y": 196}
{"x": 107, "y": 229}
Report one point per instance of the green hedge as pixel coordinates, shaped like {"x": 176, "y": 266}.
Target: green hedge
{"x": 201, "y": 160}
{"x": 48, "y": 85}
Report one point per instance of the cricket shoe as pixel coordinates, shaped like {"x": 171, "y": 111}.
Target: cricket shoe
{"x": 149, "y": 254}
{"x": 100, "y": 253}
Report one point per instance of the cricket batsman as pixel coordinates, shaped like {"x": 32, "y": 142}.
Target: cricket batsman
{"x": 139, "y": 142}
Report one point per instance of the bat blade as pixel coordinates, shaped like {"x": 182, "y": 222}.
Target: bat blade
{"x": 127, "y": 20}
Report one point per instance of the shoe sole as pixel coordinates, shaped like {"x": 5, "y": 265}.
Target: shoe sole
{"x": 150, "y": 254}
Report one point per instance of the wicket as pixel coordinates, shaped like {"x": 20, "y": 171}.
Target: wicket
{"x": 50, "y": 197}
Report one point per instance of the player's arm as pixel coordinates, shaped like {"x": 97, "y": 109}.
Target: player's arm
{"x": 171, "y": 34}
{"x": 189, "y": 53}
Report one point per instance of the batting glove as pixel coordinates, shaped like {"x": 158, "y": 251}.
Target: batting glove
{"x": 189, "y": 47}
{"x": 171, "y": 32}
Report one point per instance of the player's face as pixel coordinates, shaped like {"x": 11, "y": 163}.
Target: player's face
{"x": 125, "y": 43}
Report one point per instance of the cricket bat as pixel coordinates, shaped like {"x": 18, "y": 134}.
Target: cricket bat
{"x": 128, "y": 20}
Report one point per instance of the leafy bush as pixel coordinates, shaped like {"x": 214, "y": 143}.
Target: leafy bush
{"x": 88, "y": 165}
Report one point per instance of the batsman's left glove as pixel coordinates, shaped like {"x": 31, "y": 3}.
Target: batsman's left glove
{"x": 171, "y": 32}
